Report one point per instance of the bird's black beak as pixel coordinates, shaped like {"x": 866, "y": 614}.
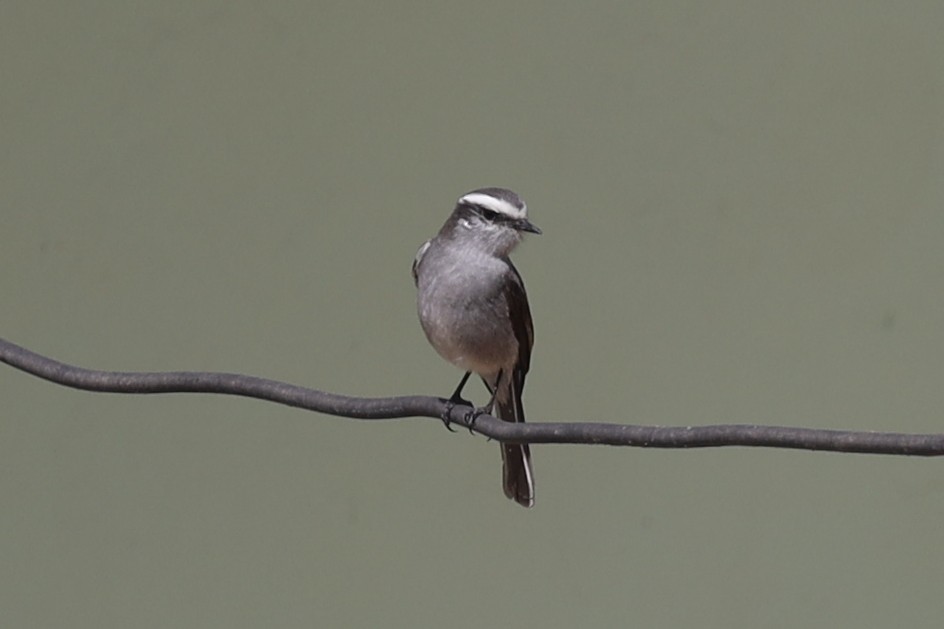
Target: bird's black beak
{"x": 525, "y": 225}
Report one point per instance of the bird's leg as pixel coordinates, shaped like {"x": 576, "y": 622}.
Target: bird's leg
{"x": 455, "y": 398}
{"x": 472, "y": 415}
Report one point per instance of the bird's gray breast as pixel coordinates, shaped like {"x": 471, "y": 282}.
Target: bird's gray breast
{"x": 463, "y": 308}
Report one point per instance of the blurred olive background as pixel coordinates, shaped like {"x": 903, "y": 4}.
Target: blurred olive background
{"x": 743, "y": 215}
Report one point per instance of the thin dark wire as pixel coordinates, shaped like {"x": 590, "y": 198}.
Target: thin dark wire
{"x": 424, "y": 406}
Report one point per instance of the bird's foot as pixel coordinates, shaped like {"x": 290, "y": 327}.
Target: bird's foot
{"x": 474, "y": 414}
{"x": 451, "y": 403}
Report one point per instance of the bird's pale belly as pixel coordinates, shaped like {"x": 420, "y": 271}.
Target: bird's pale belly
{"x": 469, "y": 341}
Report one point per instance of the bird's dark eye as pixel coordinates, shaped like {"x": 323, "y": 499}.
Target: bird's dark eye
{"x": 489, "y": 215}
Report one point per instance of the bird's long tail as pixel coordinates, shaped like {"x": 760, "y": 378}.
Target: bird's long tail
{"x": 517, "y": 476}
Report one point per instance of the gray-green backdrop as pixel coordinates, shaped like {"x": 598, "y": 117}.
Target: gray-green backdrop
{"x": 743, "y": 214}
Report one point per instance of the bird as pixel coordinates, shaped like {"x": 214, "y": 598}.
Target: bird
{"x": 474, "y": 310}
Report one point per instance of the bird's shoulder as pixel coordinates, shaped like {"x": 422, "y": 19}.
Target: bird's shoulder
{"x": 418, "y": 258}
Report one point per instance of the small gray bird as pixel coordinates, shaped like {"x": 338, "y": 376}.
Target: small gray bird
{"x": 474, "y": 311}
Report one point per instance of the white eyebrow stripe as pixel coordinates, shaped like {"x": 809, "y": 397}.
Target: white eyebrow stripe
{"x": 496, "y": 205}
